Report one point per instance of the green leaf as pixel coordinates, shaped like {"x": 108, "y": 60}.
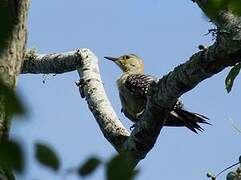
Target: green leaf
{"x": 7, "y": 23}
{"x": 11, "y": 101}
{"x": 120, "y": 167}
{"x": 11, "y": 156}
{"x": 213, "y": 7}
{"x": 235, "y": 7}
{"x": 89, "y": 166}
{"x": 231, "y": 76}
{"x": 46, "y": 156}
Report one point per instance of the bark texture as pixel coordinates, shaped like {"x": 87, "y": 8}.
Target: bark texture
{"x": 11, "y": 59}
{"x": 55, "y": 63}
{"x": 92, "y": 89}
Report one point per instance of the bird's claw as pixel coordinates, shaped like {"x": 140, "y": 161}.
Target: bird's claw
{"x": 79, "y": 82}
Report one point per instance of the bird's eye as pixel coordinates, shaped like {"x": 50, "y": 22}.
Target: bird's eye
{"x": 126, "y": 57}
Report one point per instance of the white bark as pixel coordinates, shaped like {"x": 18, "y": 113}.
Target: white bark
{"x": 93, "y": 90}
{"x": 55, "y": 63}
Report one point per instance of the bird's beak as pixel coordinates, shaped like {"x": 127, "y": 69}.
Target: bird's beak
{"x": 111, "y": 58}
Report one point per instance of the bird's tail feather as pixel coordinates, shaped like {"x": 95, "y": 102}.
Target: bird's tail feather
{"x": 181, "y": 117}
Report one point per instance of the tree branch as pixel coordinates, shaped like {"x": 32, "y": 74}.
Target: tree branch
{"x": 91, "y": 87}
{"x": 226, "y": 51}
{"x": 55, "y": 63}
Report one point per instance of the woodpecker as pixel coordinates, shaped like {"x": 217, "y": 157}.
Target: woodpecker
{"x": 133, "y": 86}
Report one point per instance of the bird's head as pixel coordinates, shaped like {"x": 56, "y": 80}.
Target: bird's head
{"x": 129, "y": 63}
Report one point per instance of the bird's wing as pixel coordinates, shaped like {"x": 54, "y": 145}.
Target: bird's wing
{"x": 139, "y": 84}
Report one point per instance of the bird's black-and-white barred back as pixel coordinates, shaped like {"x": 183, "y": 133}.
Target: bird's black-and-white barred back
{"x": 139, "y": 84}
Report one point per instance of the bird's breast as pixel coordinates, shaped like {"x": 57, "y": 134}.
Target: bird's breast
{"x": 131, "y": 102}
